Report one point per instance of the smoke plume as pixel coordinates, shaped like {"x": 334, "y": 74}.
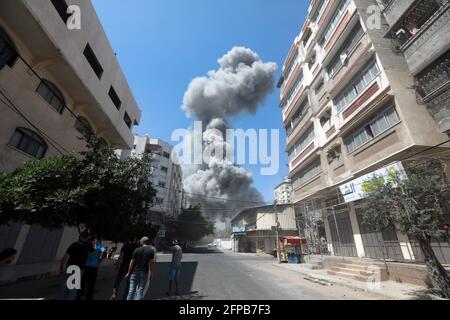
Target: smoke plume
{"x": 239, "y": 86}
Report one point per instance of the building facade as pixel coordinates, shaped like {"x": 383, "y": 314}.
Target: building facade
{"x": 253, "y": 228}
{"x": 55, "y": 83}
{"x": 283, "y": 192}
{"x": 421, "y": 31}
{"x": 350, "y": 107}
{"x": 166, "y": 178}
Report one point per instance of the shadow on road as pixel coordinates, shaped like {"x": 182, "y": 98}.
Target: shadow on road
{"x": 160, "y": 284}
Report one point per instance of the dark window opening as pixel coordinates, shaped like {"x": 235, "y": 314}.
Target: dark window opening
{"x": 115, "y": 98}
{"x": 93, "y": 61}
{"x": 83, "y": 126}
{"x": 29, "y": 142}
{"x": 127, "y": 120}
{"x": 8, "y": 52}
{"x": 166, "y": 155}
{"x": 61, "y": 6}
{"x": 50, "y": 93}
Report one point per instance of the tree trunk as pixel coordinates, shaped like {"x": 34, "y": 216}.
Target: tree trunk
{"x": 437, "y": 272}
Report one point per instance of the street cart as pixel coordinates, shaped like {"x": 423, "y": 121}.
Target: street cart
{"x": 292, "y": 249}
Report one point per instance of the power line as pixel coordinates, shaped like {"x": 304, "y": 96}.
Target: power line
{"x": 15, "y": 109}
{"x": 89, "y": 129}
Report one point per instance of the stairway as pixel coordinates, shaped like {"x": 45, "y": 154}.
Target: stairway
{"x": 358, "y": 269}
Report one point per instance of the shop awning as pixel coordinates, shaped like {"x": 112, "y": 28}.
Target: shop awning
{"x": 293, "y": 240}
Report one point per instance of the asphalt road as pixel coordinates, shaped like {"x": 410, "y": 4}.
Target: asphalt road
{"x": 207, "y": 274}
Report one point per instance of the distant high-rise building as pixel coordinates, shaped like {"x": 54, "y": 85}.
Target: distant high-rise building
{"x": 283, "y": 192}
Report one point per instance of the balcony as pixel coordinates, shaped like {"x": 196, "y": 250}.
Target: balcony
{"x": 433, "y": 88}
{"x": 348, "y": 62}
{"x": 395, "y": 9}
{"x": 298, "y": 127}
{"x": 423, "y": 33}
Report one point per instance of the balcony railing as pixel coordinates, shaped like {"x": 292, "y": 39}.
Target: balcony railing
{"x": 433, "y": 79}
{"x": 415, "y": 20}
{"x": 297, "y": 120}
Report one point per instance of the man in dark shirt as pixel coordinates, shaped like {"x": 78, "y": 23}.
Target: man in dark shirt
{"x": 126, "y": 253}
{"x": 76, "y": 255}
{"x": 142, "y": 266}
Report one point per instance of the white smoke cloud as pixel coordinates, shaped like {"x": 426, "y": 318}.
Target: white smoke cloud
{"x": 239, "y": 86}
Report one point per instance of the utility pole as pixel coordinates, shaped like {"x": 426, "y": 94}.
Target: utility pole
{"x": 277, "y": 227}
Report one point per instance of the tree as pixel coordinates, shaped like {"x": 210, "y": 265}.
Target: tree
{"x": 192, "y": 225}
{"x": 95, "y": 189}
{"x": 413, "y": 203}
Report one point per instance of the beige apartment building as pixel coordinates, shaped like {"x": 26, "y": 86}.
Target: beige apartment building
{"x": 166, "y": 178}
{"x": 354, "y": 101}
{"x": 54, "y": 83}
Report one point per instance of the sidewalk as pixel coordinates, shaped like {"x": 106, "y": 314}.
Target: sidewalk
{"x": 389, "y": 289}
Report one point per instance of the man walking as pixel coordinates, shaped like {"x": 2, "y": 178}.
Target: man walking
{"x": 126, "y": 253}
{"x": 91, "y": 270}
{"x": 142, "y": 265}
{"x": 175, "y": 268}
{"x": 76, "y": 255}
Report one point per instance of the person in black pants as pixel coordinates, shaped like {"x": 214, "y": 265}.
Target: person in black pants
{"x": 126, "y": 253}
{"x": 90, "y": 272}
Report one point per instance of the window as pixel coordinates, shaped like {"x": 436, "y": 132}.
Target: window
{"x": 345, "y": 50}
{"x": 164, "y": 169}
{"x": 93, "y": 61}
{"x": 358, "y": 85}
{"x": 50, "y": 93}
{"x": 307, "y": 36}
{"x": 302, "y": 110}
{"x": 304, "y": 141}
{"x": 159, "y": 201}
{"x": 323, "y": 4}
{"x": 127, "y": 120}
{"x": 8, "y": 52}
{"x": 83, "y": 126}
{"x": 29, "y": 142}
{"x": 162, "y": 184}
{"x": 61, "y": 6}
{"x": 166, "y": 155}
{"x": 307, "y": 173}
{"x": 103, "y": 143}
{"x": 312, "y": 61}
{"x": 380, "y": 123}
{"x": 114, "y": 98}
{"x": 295, "y": 86}
{"x": 332, "y": 25}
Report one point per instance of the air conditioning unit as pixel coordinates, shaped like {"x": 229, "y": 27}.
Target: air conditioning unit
{"x": 344, "y": 57}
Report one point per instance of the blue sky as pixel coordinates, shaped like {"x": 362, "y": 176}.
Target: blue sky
{"x": 163, "y": 44}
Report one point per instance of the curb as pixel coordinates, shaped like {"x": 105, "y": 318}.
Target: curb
{"x": 336, "y": 281}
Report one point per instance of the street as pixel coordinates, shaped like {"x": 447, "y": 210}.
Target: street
{"x": 207, "y": 274}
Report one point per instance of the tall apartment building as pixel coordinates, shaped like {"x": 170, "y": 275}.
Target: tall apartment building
{"x": 350, "y": 107}
{"x": 283, "y": 192}
{"x": 167, "y": 176}
{"x": 54, "y": 83}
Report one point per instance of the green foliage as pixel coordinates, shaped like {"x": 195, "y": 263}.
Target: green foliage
{"x": 413, "y": 204}
{"x": 192, "y": 225}
{"x": 95, "y": 189}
